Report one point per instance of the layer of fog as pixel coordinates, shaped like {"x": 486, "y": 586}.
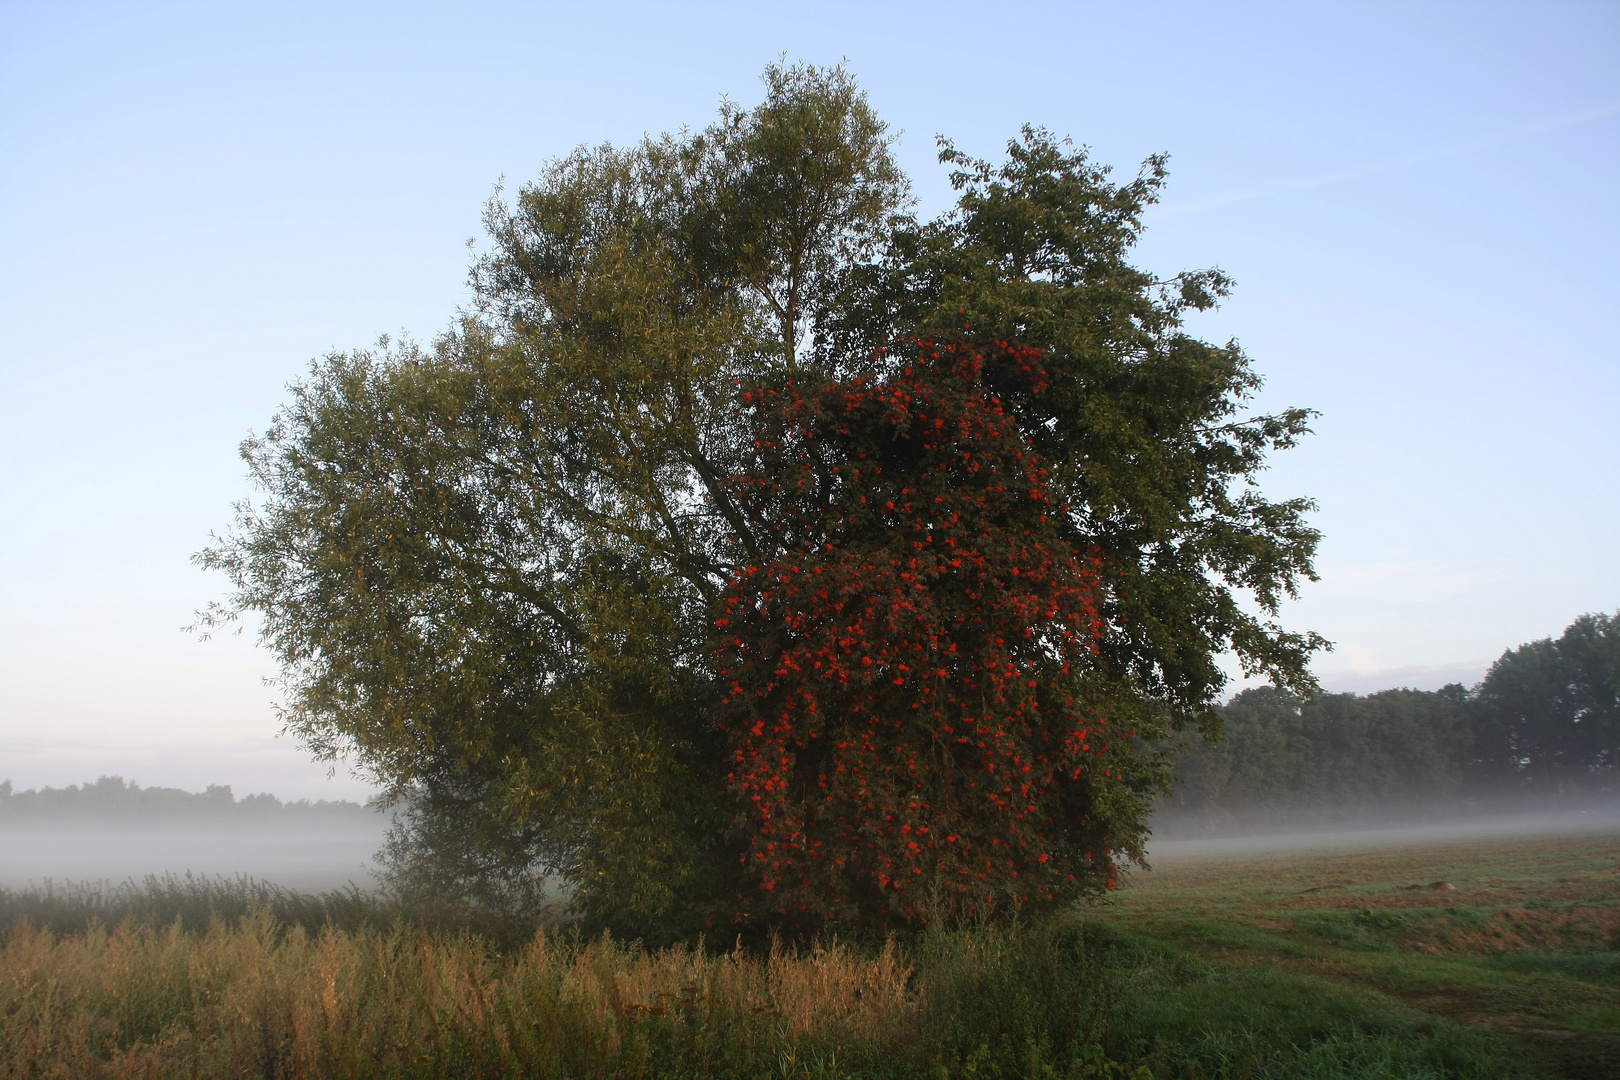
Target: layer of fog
{"x": 1415, "y": 830}
{"x": 312, "y": 854}
{"x": 316, "y": 854}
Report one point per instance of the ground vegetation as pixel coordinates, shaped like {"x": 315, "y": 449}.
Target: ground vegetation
{"x": 1488, "y": 958}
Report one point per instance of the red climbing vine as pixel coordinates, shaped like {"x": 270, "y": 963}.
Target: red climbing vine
{"x": 906, "y": 740}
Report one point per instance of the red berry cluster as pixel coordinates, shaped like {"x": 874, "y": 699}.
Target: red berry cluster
{"x": 904, "y": 736}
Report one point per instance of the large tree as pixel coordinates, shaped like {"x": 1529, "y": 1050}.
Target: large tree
{"x": 492, "y": 568}
{"x": 1547, "y": 714}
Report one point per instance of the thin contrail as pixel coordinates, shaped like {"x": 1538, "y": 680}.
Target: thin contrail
{"x": 1523, "y": 131}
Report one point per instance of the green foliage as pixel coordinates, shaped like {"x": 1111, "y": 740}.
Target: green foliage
{"x": 490, "y": 567}
{"x": 1548, "y": 713}
{"x": 1141, "y": 420}
{"x": 1015, "y": 1000}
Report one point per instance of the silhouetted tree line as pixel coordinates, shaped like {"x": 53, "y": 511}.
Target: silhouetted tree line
{"x": 1542, "y": 728}
{"x": 111, "y": 797}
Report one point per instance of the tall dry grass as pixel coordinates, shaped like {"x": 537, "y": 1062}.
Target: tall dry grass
{"x": 260, "y": 998}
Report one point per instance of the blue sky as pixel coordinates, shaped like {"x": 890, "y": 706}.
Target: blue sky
{"x": 1418, "y": 202}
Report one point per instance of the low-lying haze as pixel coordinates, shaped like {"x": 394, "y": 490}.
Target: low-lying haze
{"x": 1420, "y": 827}
{"x": 307, "y": 855}
{"x": 315, "y": 852}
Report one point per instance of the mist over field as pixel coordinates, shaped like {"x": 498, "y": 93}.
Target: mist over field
{"x": 297, "y": 856}
{"x": 110, "y": 831}
{"x": 1393, "y": 827}
{"x": 316, "y": 847}
{"x": 331, "y": 853}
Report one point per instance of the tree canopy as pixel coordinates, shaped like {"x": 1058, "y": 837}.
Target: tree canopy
{"x": 554, "y": 576}
{"x": 1548, "y": 712}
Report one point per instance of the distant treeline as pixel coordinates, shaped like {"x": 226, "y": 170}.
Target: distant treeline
{"x": 1541, "y": 729}
{"x": 111, "y": 798}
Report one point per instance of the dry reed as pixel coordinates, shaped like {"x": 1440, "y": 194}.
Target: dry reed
{"x": 258, "y": 998}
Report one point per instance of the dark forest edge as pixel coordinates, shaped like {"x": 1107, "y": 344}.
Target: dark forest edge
{"x": 112, "y": 798}
{"x": 1541, "y": 731}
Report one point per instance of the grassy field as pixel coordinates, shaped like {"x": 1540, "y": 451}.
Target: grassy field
{"x": 1464, "y": 960}
{"x": 1506, "y": 948}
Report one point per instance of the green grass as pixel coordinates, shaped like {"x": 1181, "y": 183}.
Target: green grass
{"x": 1603, "y": 967}
{"x": 1292, "y": 964}
{"x": 1202, "y": 1002}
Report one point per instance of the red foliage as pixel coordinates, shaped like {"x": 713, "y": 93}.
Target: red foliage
{"x": 905, "y": 741}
